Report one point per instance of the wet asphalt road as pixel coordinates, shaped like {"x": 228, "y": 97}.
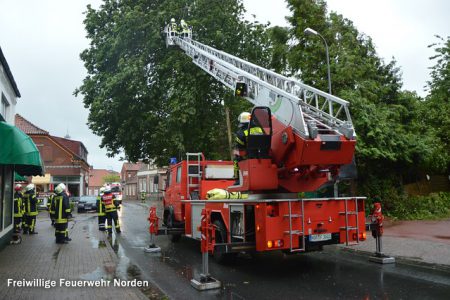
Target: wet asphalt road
{"x": 331, "y": 274}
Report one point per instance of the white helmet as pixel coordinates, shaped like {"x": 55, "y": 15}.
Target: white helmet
{"x": 102, "y": 191}
{"x": 18, "y": 187}
{"x": 244, "y": 117}
{"x": 29, "y": 187}
{"x": 107, "y": 189}
{"x": 60, "y": 188}
{"x": 182, "y": 22}
{"x": 172, "y": 20}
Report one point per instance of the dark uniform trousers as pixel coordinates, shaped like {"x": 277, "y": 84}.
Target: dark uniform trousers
{"x": 61, "y": 207}
{"x": 110, "y": 217}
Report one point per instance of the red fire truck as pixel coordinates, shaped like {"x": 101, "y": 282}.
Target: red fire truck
{"x": 116, "y": 189}
{"x": 307, "y": 137}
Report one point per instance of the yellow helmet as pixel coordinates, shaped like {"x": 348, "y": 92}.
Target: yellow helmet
{"x": 244, "y": 117}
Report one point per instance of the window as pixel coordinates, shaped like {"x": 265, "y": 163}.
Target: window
{"x": 168, "y": 181}
{"x": 179, "y": 174}
{"x": 5, "y": 108}
{"x": 8, "y": 197}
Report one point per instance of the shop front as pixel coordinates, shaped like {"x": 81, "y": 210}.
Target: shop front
{"x": 19, "y": 154}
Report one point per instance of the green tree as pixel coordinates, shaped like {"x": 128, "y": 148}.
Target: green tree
{"x": 151, "y": 101}
{"x": 392, "y": 144}
{"x": 436, "y": 107}
{"x": 111, "y": 178}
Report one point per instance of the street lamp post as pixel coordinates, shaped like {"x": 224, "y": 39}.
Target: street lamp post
{"x": 310, "y": 31}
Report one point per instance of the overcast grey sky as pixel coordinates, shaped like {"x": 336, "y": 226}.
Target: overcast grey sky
{"x": 42, "y": 41}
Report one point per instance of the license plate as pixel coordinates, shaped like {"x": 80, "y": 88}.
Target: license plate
{"x": 320, "y": 237}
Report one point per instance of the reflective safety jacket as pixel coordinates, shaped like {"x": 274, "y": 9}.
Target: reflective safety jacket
{"x": 50, "y": 203}
{"x": 18, "y": 205}
{"x": 100, "y": 207}
{"x": 242, "y": 136}
{"x": 61, "y": 207}
{"x": 174, "y": 27}
{"x": 31, "y": 204}
{"x": 108, "y": 200}
{"x": 184, "y": 27}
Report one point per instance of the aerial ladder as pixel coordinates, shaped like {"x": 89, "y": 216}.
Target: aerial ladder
{"x": 313, "y": 134}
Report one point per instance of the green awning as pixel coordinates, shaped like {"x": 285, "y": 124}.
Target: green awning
{"x": 18, "y": 149}
{"x": 18, "y": 177}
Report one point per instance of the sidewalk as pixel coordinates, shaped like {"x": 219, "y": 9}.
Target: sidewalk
{"x": 414, "y": 241}
{"x": 89, "y": 257}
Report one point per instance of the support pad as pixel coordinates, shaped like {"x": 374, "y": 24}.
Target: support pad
{"x": 206, "y": 283}
{"x": 152, "y": 249}
{"x": 382, "y": 259}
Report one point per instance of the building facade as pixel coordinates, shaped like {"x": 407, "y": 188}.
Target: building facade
{"x": 9, "y": 95}
{"x": 151, "y": 180}
{"x": 18, "y": 154}
{"x": 128, "y": 175}
{"x": 65, "y": 161}
{"x": 96, "y": 179}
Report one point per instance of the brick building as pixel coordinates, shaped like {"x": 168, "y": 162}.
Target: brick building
{"x": 128, "y": 175}
{"x": 96, "y": 179}
{"x": 152, "y": 180}
{"x": 65, "y": 160}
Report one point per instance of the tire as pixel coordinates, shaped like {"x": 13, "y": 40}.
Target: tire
{"x": 219, "y": 254}
{"x": 169, "y": 219}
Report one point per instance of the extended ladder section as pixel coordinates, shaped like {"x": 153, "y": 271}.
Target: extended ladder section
{"x": 194, "y": 170}
{"x": 307, "y": 110}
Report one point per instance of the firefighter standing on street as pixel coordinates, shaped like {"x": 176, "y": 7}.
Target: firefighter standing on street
{"x": 240, "y": 149}
{"x": 101, "y": 210}
{"x": 61, "y": 207}
{"x": 31, "y": 209}
{"x": 49, "y": 207}
{"x": 143, "y": 195}
{"x": 18, "y": 208}
{"x": 109, "y": 200}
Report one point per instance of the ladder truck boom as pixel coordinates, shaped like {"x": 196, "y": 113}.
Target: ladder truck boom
{"x": 313, "y": 134}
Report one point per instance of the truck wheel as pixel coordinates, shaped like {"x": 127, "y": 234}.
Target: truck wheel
{"x": 168, "y": 218}
{"x": 219, "y": 254}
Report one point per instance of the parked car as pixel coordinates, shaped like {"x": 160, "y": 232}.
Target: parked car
{"x": 87, "y": 203}
{"x": 42, "y": 205}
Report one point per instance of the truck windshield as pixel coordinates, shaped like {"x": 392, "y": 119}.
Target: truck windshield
{"x": 115, "y": 189}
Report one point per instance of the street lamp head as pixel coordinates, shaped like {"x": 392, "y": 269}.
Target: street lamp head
{"x": 310, "y": 31}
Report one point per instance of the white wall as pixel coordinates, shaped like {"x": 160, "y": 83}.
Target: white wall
{"x": 7, "y": 95}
